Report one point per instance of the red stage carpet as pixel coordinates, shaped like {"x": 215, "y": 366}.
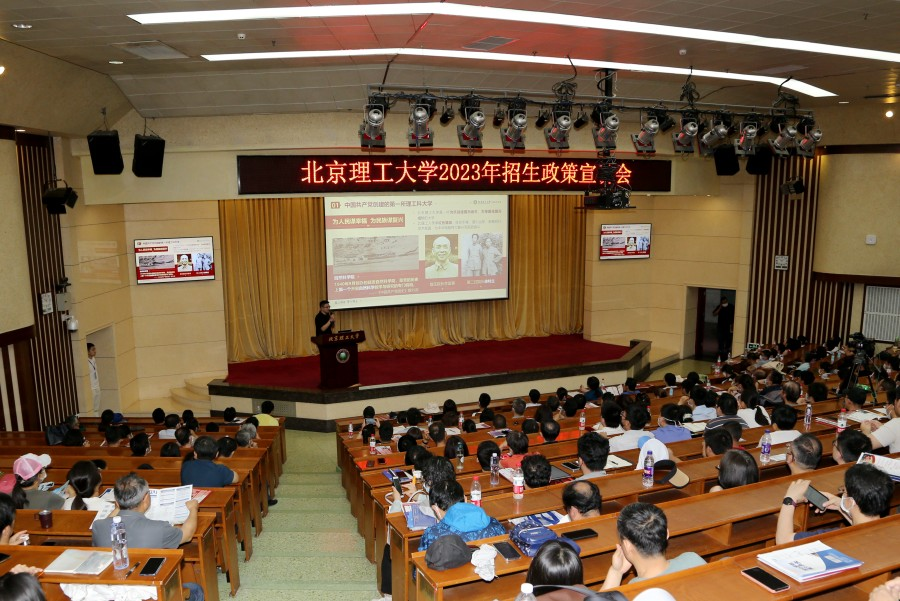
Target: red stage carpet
{"x": 449, "y": 361}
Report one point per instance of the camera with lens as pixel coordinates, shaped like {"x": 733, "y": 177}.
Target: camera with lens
{"x": 862, "y": 346}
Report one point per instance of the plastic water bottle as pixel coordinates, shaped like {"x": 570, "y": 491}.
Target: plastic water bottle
{"x": 647, "y": 478}
{"x": 765, "y": 446}
{"x": 582, "y": 422}
{"x": 430, "y": 420}
{"x": 475, "y": 492}
{"x": 717, "y": 368}
{"x": 807, "y": 417}
{"x": 518, "y": 484}
{"x": 460, "y": 457}
{"x": 526, "y": 592}
{"x": 350, "y": 430}
{"x": 495, "y": 470}
{"x": 729, "y": 357}
{"x": 461, "y": 420}
{"x": 371, "y": 445}
{"x": 842, "y": 421}
{"x": 119, "y": 544}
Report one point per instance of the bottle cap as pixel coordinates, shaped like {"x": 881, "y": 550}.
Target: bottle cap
{"x": 527, "y": 588}
{"x": 117, "y": 520}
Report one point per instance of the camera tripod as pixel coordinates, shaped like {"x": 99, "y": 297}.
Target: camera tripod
{"x": 861, "y": 361}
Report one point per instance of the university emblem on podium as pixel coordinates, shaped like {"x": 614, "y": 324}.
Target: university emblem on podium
{"x": 343, "y": 355}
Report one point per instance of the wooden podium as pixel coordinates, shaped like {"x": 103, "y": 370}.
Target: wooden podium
{"x": 339, "y": 358}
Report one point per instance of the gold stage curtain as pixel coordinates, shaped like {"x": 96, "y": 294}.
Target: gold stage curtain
{"x": 274, "y": 276}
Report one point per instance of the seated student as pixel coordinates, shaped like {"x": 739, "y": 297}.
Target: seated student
{"x": 21, "y": 583}
{"x": 784, "y": 418}
{"x": 634, "y": 418}
{"x": 385, "y": 433}
{"x": 8, "y": 536}
{"x": 367, "y": 432}
{"x": 593, "y": 450}
{"x": 159, "y": 416}
{"x": 413, "y": 416}
{"x": 185, "y": 437}
{"x": 484, "y": 399}
{"x": 450, "y": 419}
{"x": 456, "y": 516}
{"x": 886, "y": 435}
{"x": 227, "y": 446}
{"x": 83, "y": 492}
{"x": 737, "y": 468}
{"x": 570, "y": 407}
{"x": 751, "y": 411}
{"x": 581, "y": 500}
{"x": 849, "y": 445}
{"x": 803, "y": 454}
{"x": 171, "y": 423}
{"x": 434, "y": 469}
{"x": 790, "y": 392}
{"x": 106, "y": 418}
{"x": 405, "y": 442}
{"x": 736, "y": 432}
{"x": 771, "y": 394}
{"x": 116, "y": 435}
{"x": 469, "y": 426}
{"x": 610, "y": 422}
{"x": 487, "y": 416}
{"x": 550, "y": 430}
{"x": 450, "y": 406}
{"x": 867, "y": 497}
{"x": 212, "y": 427}
{"x": 518, "y": 407}
{"x": 437, "y": 433}
{"x": 557, "y": 564}
{"x": 369, "y": 416}
{"x": 716, "y": 442}
{"x": 518, "y": 447}
{"x": 133, "y": 499}
{"x": 140, "y": 445}
{"x": 455, "y": 447}
{"x": 486, "y": 450}
{"x": 530, "y": 426}
{"x": 562, "y": 393}
{"x": 229, "y": 415}
{"x": 536, "y": 470}
{"x": 264, "y": 417}
{"x": 670, "y": 428}
{"x": 202, "y": 472}
{"x": 630, "y": 386}
{"x": 817, "y": 392}
{"x": 702, "y": 403}
{"x": 74, "y": 438}
{"x": 543, "y": 413}
{"x": 670, "y": 388}
{"x": 170, "y": 449}
{"x": 534, "y": 396}
{"x": 552, "y": 404}
{"x": 643, "y": 539}
{"x": 31, "y": 471}
{"x": 593, "y": 392}
{"x": 726, "y": 411}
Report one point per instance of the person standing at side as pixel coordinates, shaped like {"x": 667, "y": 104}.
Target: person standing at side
{"x": 95, "y": 378}
{"x": 324, "y": 319}
{"x": 724, "y": 325}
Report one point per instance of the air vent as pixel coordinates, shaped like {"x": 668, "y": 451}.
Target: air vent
{"x": 488, "y": 43}
{"x": 151, "y": 50}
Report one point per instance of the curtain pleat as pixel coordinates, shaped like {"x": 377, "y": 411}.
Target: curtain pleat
{"x": 273, "y": 258}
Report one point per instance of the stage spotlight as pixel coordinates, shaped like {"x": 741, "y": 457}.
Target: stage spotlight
{"x": 715, "y": 135}
{"x": 793, "y": 187}
{"x": 662, "y": 117}
{"x": 806, "y": 147}
{"x": 783, "y": 143}
{"x": 512, "y": 137}
{"x": 56, "y": 198}
{"x": 581, "y": 121}
{"x": 746, "y": 143}
{"x": 371, "y": 132}
{"x": 469, "y": 135}
{"x": 644, "y": 141}
{"x": 542, "y": 118}
{"x": 447, "y": 115}
{"x": 419, "y": 134}
{"x": 605, "y": 136}
{"x": 683, "y": 141}
{"x": 499, "y": 116}
{"x": 557, "y": 135}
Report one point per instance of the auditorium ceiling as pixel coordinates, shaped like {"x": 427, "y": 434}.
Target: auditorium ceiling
{"x": 163, "y": 71}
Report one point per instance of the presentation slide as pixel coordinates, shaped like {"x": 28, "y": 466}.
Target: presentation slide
{"x": 625, "y": 241}
{"x": 174, "y": 260}
{"x": 384, "y": 251}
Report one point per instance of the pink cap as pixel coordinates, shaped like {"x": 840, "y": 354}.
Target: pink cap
{"x": 30, "y": 465}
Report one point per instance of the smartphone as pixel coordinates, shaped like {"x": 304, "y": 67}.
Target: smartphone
{"x": 508, "y": 552}
{"x": 571, "y": 465}
{"x": 370, "y": 463}
{"x": 382, "y": 461}
{"x": 151, "y": 568}
{"x": 397, "y": 486}
{"x": 765, "y": 580}
{"x": 579, "y": 534}
{"x": 816, "y": 498}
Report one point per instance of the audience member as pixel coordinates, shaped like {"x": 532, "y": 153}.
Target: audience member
{"x": 550, "y": 430}
{"x": 867, "y": 497}
{"x": 751, "y": 411}
{"x": 716, "y": 442}
{"x": 264, "y": 417}
{"x": 437, "y": 433}
{"x": 455, "y": 516}
{"x": 83, "y": 491}
{"x": 610, "y": 422}
{"x": 74, "y": 438}
{"x": 670, "y": 428}
{"x": 534, "y": 396}
{"x": 634, "y": 418}
{"x": 245, "y": 438}
{"x": 703, "y": 402}
{"x": 469, "y": 426}
{"x": 484, "y": 399}
{"x": 413, "y": 416}
{"x": 455, "y": 447}
{"x": 21, "y": 584}
{"x": 140, "y": 445}
{"x": 886, "y": 435}
{"x": 8, "y": 536}
{"x": 405, "y": 442}
{"x": 227, "y": 446}
{"x": 159, "y": 416}
{"x": 803, "y": 454}
{"x": 817, "y": 392}
{"x": 643, "y": 539}
{"x": 593, "y": 449}
{"x": 518, "y": 407}
{"x": 486, "y": 450}
{"x": 518, "y": 447}
{"x": 593, "y": 392}
{"x": 784, "y": 418}
{"x": 499, "y": 421}
{"x": 487, "y": 416}
{"x": 385, "y": 433}
{"x": 557, "y": 564}
{"x": 849, "y": 445}
{"x": 170, "y": 449}
{"x": 172, "y": 421}
{"x": 202, "y": 472}
{"x": 536, "y": 470}
{"x": 229, "y": 415}
{"x": 530, "y": 426}
{"x": 212, "y": 427}
{"x": 737, "y": 468}
{"x": 581, "y": 499}
{"x": 30, "y": 471}
{"x": 726, "y": 411}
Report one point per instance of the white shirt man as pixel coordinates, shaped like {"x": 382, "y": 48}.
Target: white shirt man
{"x": 94, "y": 377}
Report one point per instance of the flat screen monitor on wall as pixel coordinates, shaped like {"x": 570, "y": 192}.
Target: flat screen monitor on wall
{"x": 414, "y": 249}
{"x": 159, "y": 260}
{"x": 625, "y": 241}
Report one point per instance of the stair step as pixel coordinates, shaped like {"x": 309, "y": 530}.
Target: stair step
{"x": 200, "y": 385}
{"x": 190, "y": 400}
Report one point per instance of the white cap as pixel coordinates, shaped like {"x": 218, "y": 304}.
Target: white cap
{"x": 116, "y": 520}
{"x": 655, "y": 594}
{"x": 527, "y": 588}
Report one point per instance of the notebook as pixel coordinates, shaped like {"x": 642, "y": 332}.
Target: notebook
{"x": 809, "y": 562}
{"x": 418, "y": 517}
{"x": 77, "y": 561}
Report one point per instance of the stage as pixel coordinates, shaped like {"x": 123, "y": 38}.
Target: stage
{"x": 394, "y": 380}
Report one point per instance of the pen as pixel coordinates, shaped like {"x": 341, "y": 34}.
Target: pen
{"x": 133, "y": 568}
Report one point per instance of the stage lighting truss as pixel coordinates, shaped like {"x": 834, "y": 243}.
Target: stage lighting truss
{"x": 683, "y": 141}
{"x": 469, "y": 135}
{"x": 810, "y": 135}
{"x": 371, "y": 132}
{"x": 644, "y": 142}
{"x": 745, "y": 144}
{"x": 419, "y": 134}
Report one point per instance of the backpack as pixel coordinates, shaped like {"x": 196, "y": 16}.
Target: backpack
{"x": 528, "y": 535}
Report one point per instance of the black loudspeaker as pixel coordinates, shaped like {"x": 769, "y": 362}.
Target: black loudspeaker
{"x": 793, "y": 186}
{"x": 57, "y": 199}
{"x": 148, "y": 156}
{"x": 106, "y": 155}
{"x": 726, "y": 160}
{"x": 761, "y": 162}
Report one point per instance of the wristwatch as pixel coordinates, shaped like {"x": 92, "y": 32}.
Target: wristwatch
{"x": 789, "y": 501}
